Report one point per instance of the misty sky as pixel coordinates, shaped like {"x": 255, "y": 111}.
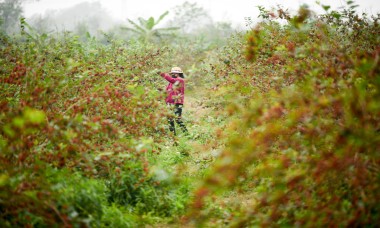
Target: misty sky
{"x": 220, "y": 10}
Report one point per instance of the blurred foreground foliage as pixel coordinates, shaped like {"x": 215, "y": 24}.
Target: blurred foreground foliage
{"x": 302, "y": 144}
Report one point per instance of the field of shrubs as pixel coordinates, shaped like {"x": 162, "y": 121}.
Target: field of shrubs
{"x": 284, "y": 123}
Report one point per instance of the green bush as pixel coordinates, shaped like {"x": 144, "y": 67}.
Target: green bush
{"x": 68, "y": 105}
{"x": 81, "y": 198}
{"x": 143, "y": 192}
{"x": 115, "y": 216}
{"x": 303, "y": 135}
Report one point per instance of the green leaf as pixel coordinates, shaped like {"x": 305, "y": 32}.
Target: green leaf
{"x": 150, "y": 23}
{"x": 136, "y": 27}
{"x": 70, "y": 134}
{"x": 354, "y": 6}
{"x": 9, "y": 131}
{"x": 162, "y": 16}
{"x": 34, "y": 116}
{"x": 4, "y": 179}
{"x": 18, "y": 122}
{"x": 336, "y": 14}
{"x": 325, "y": 7}
{"x": 32, "y": 194}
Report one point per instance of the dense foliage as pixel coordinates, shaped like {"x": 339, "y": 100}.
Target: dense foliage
{"x": 88, "y": 108}
{"x": 303, "y": 141}
{"x": 285, "y": 131}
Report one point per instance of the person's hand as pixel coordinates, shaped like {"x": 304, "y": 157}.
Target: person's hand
{"x": 158, "y": 72}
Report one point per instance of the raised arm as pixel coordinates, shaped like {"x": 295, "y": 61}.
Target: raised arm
{"x": 167, "y": 77}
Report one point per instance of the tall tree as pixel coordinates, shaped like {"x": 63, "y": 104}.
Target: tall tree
{"x": 10, "y": 13}
{"x": 190, "y": 17}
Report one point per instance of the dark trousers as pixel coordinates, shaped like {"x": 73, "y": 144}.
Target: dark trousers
{"x": 177, "y": 108}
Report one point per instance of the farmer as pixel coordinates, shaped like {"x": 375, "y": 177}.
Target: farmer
{"x": 175, "y": 96}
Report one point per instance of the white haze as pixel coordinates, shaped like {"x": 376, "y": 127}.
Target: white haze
{"x": 106, "y": 13}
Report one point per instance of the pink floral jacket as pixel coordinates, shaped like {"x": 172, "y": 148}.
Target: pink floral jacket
{"x": 175, "y": 90}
